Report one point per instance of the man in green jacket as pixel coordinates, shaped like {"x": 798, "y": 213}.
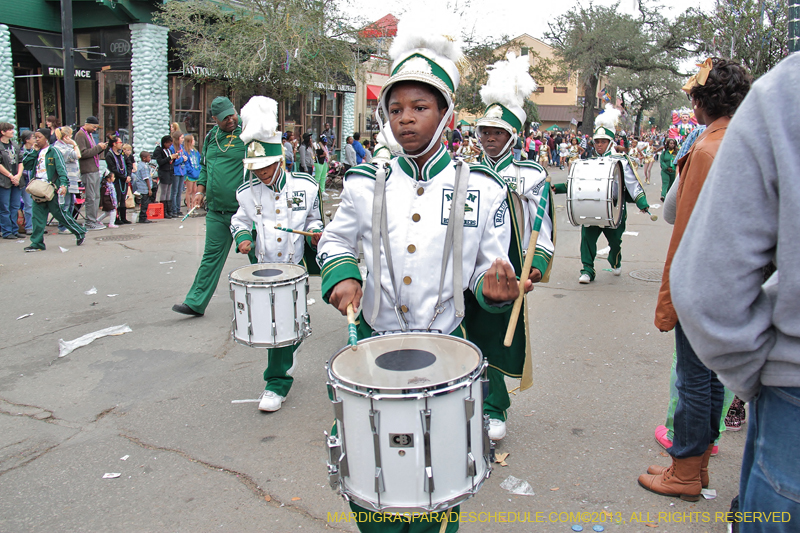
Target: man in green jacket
{"x": 220, "y": 176}
{"x": 47, "y": 164}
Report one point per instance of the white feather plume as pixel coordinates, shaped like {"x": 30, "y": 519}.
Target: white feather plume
{"x": 608, "y": 119}
{"x": 433, "y": 28}
{"x": 509, "y": 82}
{"x": 259, "y": 119}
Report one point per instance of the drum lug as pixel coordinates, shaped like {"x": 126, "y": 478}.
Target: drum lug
{"x": 374, "y": 424}
{"x": 338, "y": 413}
{"x": 233, "y": 294}
{"x": 334, "y": 458}
{"x": 469, "y": 407}
{"x": 274, "y": 324}
{"x": 425, "y": 416}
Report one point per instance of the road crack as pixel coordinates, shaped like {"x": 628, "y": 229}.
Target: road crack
{"x": 243, "y": 478}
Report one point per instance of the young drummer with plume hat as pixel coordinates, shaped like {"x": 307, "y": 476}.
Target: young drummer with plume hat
{"x": 277, "y": 199}
{"x": 605, "y": 128}
{"x": 402, "y": 290}
{"x": 504, "y": 94}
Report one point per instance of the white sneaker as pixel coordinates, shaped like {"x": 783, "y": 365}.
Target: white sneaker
{"x": 270, "y": 401}
{"x": 616, "y": 271}
{"x": 584, "y": 278}
{"x": 497, "y": 429}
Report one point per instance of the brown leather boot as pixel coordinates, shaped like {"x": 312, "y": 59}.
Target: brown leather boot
{"x": 682, "y": 479}
{"x": 658, "y": 470}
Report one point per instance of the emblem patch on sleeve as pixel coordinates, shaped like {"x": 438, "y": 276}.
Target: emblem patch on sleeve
{"x": 471, "y": 207}
{"x": 298, "y": 201}
{"x": 515, "y": 184}
{"x": 500, "y": 215}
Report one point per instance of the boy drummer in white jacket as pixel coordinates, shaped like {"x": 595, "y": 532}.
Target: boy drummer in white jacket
{"x": 277, "y": 198}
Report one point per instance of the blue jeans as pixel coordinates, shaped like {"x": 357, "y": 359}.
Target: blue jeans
{"x": 69, "y": 203}
{"x": 770, "y": 479}
{"x": 28, "y": 211}
{"x": 175, "y": 195}
{"x": 700, "y": 397}
{"x": 517, "y": 154}
{"x": 9, "y": 205}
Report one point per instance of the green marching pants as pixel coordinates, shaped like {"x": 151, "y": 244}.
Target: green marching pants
{"x": 218, "y": 245}
{"x": 40, "y": 211}
{"x": 497, "y": 401}
{"x": 589, "y": 236}
{"x": 372, "y": 522}
{"x": 280, "y": 367}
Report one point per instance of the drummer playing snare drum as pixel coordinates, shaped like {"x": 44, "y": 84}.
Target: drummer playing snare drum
{"x": 279, "y": 199}
{"x": 405, "y": 288}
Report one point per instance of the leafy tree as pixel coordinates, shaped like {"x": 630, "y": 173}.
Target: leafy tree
{"x": 280, "y": 47}
{"x": 590, "y": 40}
{"x": 645, "y": 90}
{"x": 752, "y": 32}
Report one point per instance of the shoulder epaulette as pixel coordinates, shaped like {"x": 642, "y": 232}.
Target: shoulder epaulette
{"x": 305, "y": 176}
{"x": 530, "y": 164}
{"x": 483, "y": 169}
{"x": 364, "y": 169}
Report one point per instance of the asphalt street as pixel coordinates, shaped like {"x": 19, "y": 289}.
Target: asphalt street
{"x": 158, "y": 405}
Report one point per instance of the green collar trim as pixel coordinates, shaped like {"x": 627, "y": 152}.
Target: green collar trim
{"x": 436, "y": 70}
{"x": 504, "y": 162}
{"x": 437, "y": 163}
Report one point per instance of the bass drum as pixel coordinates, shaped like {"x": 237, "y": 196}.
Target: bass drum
{"x": 595, "y": 193}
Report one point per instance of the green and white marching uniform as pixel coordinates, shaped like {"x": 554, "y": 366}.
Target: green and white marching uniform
{"x": 293, "y": 202}
{"x": 634, "y": 193}
{"x": 417, "y": 210}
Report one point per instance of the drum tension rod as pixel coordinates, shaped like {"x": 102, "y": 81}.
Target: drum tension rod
{"x": 425, "y": 415}
{"x": 469, "y": 407}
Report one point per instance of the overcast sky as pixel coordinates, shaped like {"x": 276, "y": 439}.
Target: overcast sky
{"x": 490, "y": 17}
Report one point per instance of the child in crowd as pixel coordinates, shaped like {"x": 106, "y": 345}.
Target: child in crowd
{"x": 192, "y": 169}
{"x": 108, "y": 201}
{"x": 143, "y": 185}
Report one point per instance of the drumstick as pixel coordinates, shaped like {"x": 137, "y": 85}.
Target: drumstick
{"x": 526, "y": 268}
{"x": 299, "y": 232}
{"x": 189, "y": 213}
{"x": 351, "y": 327}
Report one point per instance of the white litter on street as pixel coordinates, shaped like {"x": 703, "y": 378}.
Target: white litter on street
{"x": 111, "y": 475}
{"x": 631, "y": 233}
{"x": 91, "y": 291}
{"x": 655, "y": 206}
{"x": 311, "y": 301}
{"x": 24, "y": 316}
{"x": 517, "y": 486}
{"x": 67, "y": 347}
{"x": 63, "y": 250}
{"x": 112, "y": 295}
{"x": 124, "y": 458}
{"x": 167, "y": 262}
{"x": 246, "y": 401}
{"x": 605, "y": 251}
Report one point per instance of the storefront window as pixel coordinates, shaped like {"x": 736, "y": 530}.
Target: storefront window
{"x": 187, "y": 113}
{"x": 293, "y": 117}
{"x": 115, "y": 104}
{"x": 23, "y": 88}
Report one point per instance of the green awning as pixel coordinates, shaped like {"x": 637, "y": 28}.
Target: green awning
{"x": 554, "y": 127}
{"x": 464, "y": 122}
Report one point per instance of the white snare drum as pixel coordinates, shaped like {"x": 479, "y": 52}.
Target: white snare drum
{"x": 269, "y": 305}
{"x": 595, "y": 193}
{"x": 411, "y": 435}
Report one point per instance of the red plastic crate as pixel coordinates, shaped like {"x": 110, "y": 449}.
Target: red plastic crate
{"x": 155, "y": 211}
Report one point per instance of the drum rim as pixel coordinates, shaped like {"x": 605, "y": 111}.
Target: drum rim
{"x": 436, "y": 507}
{"x": 405, "y": 392}
{"x": 256, "y": 283}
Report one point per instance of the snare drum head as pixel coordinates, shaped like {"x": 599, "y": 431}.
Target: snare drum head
{"x": 406, "y": 361}
{"x": 267, "y": 273}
